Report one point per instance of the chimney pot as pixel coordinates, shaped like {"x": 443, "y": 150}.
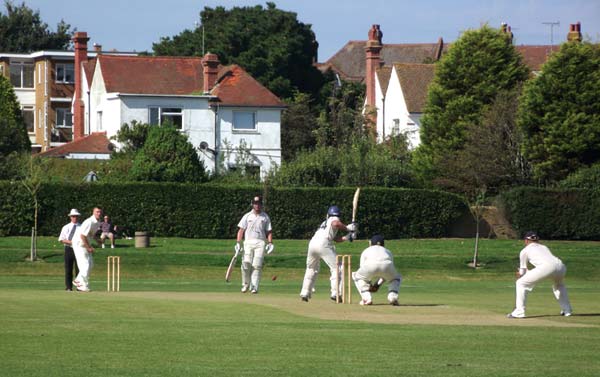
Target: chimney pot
{"x": 97, "y": 47}
{"x": 574, "y": 33}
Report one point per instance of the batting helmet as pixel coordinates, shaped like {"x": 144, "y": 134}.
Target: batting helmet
{"x": 334, "y": 211}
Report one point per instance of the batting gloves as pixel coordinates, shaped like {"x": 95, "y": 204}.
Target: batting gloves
{"x": 270, "y": 247}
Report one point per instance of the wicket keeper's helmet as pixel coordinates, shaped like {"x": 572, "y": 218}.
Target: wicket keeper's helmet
{"x": 334, "y": 211}
{"x": 377, "y": 240}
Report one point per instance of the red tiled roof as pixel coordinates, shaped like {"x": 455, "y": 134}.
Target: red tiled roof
{"x": 383, "y": 76}
{"x": 414, "y": 81}
{"x": 235, "y": 87}
{"x": 151, "y": 74}
{"x": 182, "y": 76}
{"x": 96, "y": 143}
{"x": 349, "y": 62}
{"x": 535, "y": 56}
{"x": 88, "y": 69}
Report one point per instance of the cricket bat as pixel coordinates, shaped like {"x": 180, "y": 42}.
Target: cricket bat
{"x": 230, "y": 268}
{"x": 355, "y": 204}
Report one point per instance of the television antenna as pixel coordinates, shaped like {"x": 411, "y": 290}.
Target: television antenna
{"x": 552, "y": 25}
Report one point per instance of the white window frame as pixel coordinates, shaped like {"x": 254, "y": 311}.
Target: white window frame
{"x": 20, "y": 65}
{"x": 32, "y": 111}
{"x": 238, "y": 119}
{"x": 67, "y": 115}
{"x": 160, "y": 113}
{"x": 396, "y": 126}
{"x": 66, "y": 67}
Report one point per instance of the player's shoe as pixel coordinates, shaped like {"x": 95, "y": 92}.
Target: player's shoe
{"x": 83, "y": 289}
{"x": 394, "y": 303}
{"x": 304, "y": 298}
{"x": 103, "y": 246}
{"x": 254, "y": 291}
{"x": 76, "y": 283}
{"x": 512, "y": 316}
{"x": 565, "y": 313}
{"x": 244, "y": 288}
{"x": 333, "y": 298}
{"x": 366, "y": 302}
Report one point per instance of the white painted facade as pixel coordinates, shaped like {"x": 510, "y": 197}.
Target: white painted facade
{"x": 393, "y": 117}
{"x": 202, "y": 122}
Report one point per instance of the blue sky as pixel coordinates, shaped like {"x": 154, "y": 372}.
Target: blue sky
{"x": 133, "y": 25}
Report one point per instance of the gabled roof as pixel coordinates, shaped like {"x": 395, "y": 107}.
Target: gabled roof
{"x": 414, "y": 81}
{"x": 151, "y": 74}
{"x": 235, "y": 87}
{"x": 88, "y": 69}
{"x": 96, "y": 143}
{"x": 383, "y": 76}
{"x": 349, "y": 62}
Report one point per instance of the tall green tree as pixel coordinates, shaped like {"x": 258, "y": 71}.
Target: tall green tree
{"x": 341, "y": 120}
{"x": 298, "y": 124}
{"x": 491, "y": 157}
{"x": 22, "y": 30}
{"x": 560, "y": 112}
{"x": 167, "y": 156}
{"x": 269, "y": 43}
{"x": 13, "y": 132}
{"x": 467, "y": 79}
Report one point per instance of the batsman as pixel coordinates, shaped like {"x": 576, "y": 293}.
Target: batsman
{"x": 255, "y": 229}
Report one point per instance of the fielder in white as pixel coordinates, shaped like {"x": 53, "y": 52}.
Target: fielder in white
{"x": 546, "y": 266}
{"x": 83, "y": 249}
{"x": 377, "y": 264}
{"x": 255, "y": 229}
{"x": 322, "y": 246}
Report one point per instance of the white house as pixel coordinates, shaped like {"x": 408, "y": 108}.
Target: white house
{"x": 400, "y": 96}
{"x": 222, "y": 109}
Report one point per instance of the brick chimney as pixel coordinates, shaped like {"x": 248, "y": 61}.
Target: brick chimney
{"x": 574, "y": 33}
{"x": 80, "y": 40}
{"x": 210, "y": 64}
{"x": 373, "y": 62}
{"x": 97, "y": 48}
{"x": 506, "y": 29}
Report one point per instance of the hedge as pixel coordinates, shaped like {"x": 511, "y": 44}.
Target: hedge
{"x": 554, "y": 213}
{"x": 211, "y": 211}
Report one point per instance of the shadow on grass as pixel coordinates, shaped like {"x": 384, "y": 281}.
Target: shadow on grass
{"x": 558, "y": 315}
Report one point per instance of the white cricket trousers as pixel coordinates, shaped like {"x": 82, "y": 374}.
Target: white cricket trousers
{"x": 525, "y": 284}
{"x": 316, "y": 252}
{"x": 252, "y": 263}
{"x": 85, "y": 263}
{"x": 381, "y": 269}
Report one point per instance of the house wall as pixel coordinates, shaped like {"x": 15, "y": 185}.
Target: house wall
{"x": 396, "y": 108}
{"x": 264, "y": 142}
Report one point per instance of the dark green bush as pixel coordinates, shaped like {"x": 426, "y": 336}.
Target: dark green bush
{"x": 213, "y": 211}
{"x": 554, "y": 213}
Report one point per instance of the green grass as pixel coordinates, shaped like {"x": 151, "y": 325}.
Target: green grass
{"x": 176, "y": 316}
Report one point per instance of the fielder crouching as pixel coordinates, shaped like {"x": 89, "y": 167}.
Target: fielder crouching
{"x": 377, "y": 264}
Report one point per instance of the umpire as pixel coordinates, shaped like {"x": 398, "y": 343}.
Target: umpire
{"x": 66, "y": 236}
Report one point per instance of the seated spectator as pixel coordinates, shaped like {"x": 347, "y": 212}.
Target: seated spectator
{"x": 107, "y": 230}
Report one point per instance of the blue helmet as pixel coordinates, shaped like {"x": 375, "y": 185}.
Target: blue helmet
{"x": 334, "y": 211}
